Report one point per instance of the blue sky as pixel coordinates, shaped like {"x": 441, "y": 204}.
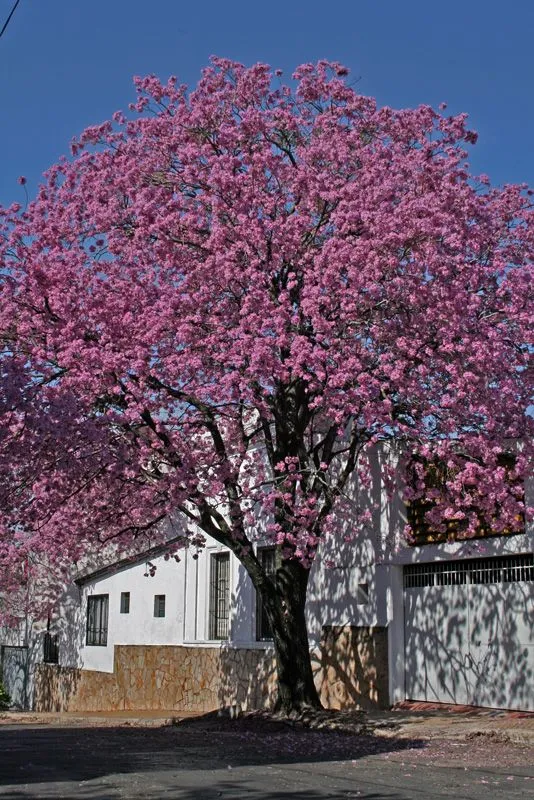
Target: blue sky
{"x": 65, "y": 64}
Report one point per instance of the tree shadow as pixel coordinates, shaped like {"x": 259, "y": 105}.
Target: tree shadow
{"x": 61, "y": 754}
{"x": 470, "y": 633}
{"x": 350, "y": 667}
{"x": 349, "y": 651}
{"x": 19, "y": 654}
{"x": 247, "y": 676}
{"x": 55, "y": 686}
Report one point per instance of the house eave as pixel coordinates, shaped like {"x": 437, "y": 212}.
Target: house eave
{"x": 129, "y": 561}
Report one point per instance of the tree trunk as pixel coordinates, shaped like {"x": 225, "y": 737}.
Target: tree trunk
{"x": 285, "y": 610}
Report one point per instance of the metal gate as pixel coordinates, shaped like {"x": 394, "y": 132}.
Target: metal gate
{"x": 14, "y": 673}
{"x": 469, "y": 632}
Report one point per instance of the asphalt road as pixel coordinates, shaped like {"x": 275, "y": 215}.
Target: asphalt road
{"x": 97, "y": 763}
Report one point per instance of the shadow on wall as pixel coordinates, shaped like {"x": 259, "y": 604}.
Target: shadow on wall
{"x": 56, "y": 687}
{"x": 350, "y": 657}
{"x": 351, "y": 667}
{"x": 470, "y": 633}
{"x": 70, "y": 627}
{"x": 14, "y": 673}
{"x": 247, "y": 678}
{"x": 20, "y": 652}
{"x": 467, "y": 644}
{"x": 349, "y": 583}
{"x": 349, "y": 662}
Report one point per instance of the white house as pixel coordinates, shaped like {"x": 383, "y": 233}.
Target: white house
{"x": 449, "y": 622}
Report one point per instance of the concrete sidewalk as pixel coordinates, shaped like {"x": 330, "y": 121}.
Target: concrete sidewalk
{"x": 140, "y": 718}
{"x": 438, "y": 720}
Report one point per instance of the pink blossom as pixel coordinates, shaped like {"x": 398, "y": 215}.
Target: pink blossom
{"x": 229, "y": 297}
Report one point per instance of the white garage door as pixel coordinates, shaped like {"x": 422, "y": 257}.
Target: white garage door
{"x": 469, "y": 632}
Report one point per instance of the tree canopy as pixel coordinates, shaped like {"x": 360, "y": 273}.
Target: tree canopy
{"x": 223, "y": 299}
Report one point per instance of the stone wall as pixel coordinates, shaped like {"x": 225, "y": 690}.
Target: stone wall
{"x": 350, "y": 669}
{"x": 161, "y": 677}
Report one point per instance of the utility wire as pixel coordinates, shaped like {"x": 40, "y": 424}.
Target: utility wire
{"x": 8, "y": 20}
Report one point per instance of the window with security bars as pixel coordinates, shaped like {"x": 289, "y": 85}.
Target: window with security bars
{"x": 219, "y": 605}
{"x": 159, "y": 605}
{"x": 504, "y": 569}
{"x": 267, "y": 558}
{"x": 455, "y": 530}
{"x": 97, "y": 620}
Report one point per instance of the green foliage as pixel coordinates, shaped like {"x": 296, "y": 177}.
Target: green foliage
{"x": 5, "y": 699}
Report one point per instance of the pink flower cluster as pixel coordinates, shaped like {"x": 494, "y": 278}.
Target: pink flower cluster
{"x": 221, "y": 305}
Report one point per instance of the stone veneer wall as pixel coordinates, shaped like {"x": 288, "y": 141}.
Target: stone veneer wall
{"x": 350, "y": 668}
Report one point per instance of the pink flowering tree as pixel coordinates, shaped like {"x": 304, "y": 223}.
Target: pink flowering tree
{"x": 225, "y": 298}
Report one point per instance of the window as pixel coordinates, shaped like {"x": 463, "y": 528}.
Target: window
{"x": 50, "y": 649}
{"x": 50, "y": 646}
{"x": 471, "y": 571}
{"x": 267, "y": 558}
{"x": 362, "y": 594}
{"x": 125, "y": 602}
{"x": 97, "y": 620}
{"x": 159, "y": 605}
{"x": 219, "y": 607}
{"x": 455, "y": 530}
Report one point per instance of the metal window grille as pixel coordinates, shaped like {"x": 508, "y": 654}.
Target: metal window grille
{"x": 159, "y": 605}
{"x": 500, "y": 569}
{"x": 219, "y": 606}
{"x": 97, "y": 620}
{"x": 125, "y": 602}
{"x": 267, "y": 558}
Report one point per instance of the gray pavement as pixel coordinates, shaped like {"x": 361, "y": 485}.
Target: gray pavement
{"x": 215, "y": 759}
{"x": 298, "y": 782}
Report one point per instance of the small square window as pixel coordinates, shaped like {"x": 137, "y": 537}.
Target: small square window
{"x": 159, "y": 605}
{"x": 125, "y": 602}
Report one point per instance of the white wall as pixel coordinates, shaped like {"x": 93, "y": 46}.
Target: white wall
{"x": 186, "y": 589}
{"x": 139, "y": 626}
